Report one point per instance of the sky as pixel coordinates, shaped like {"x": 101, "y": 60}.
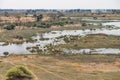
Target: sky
{"x": 59, "y": 4}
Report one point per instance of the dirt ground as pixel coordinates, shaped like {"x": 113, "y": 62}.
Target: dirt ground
{"x": 76, "y": 67}
{"x": 12, "y": 19}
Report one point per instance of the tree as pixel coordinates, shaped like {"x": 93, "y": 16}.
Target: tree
{"x": 35, "y": 16}
{"x": 84, "y": 24}
{"x": 59, "y": 14}
{"x": 6, "y": 14}
{"x": 18, "y": 20}
{"x": 52, "y": 16}
{"x": 39, "y": 17}
{"x": 6, "y": 53}
{"x": 26, "y": 14}
{"x": 19, "y": 73}
{"x": 55, "y": 16}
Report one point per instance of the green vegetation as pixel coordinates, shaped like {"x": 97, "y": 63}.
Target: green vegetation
{"x": 6, "y": 53}
{"x": 53, "y": 63}
{"x": 42, "y": 25}
{"x": 9, "y": 27}
{"x": 19, "y": 73}
{"x": 61, "y": 23}
{"x": 9, "y": 35}
{"x": 84, "y": 24}
{"x": 39, "y": 17}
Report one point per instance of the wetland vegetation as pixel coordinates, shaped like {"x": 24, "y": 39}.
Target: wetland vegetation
{"x": 60, "y": 46}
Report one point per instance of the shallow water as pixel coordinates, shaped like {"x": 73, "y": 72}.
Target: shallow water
{"x": 93, "y": 51}
{"x": 52, "y": 39}
{"x": 100, "y": 20}
{"x": 56, "y": 34}
{"x": 116, "y": 24}
{"x": 21, "y": 48}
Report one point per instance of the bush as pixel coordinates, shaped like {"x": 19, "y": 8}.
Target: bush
{"x": 9, "y": 27}
{"x": 18, "y": 37}
{"x": 84, "y": 24}
{"x": 39, "y": 17}
{"x": 6, "y": 53}
{"x": 43, "y": 25}
{"x": 61, "y": 23}
{"x": 19, "y": 73}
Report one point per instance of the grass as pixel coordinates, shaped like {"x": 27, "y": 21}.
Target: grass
{"x": 76, "y": 67}
{"x": 8, "y": 36}
{"x": 66, "y": 67}
{"x": 93, "y": 41}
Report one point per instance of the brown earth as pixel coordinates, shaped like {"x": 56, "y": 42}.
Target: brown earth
{"x": 79, "y": 67}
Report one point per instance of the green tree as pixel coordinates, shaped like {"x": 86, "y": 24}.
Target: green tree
{"x": 39, "y": 17}
{"x": 19, "y": 73}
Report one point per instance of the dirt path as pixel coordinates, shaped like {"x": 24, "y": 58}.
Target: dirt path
{"x": 8, "y": 61}
{"x": 35, "y": 77}
{"x": 47, "y": 71}
{"x": 44, "y": 67}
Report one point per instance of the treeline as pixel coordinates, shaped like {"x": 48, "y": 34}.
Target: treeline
{"x": 55, "y": 19}
{"x": 113, "y": 11}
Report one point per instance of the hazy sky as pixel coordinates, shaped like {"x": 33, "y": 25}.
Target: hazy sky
{"x": 60, "y": 4}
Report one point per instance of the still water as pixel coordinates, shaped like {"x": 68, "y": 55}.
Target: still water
{"x": 53, "y": 35}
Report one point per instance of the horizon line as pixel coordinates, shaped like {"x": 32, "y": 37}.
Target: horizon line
{"x": 58, "y": 9}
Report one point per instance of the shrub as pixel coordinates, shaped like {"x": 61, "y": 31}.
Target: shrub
{"x": 59, "y": 22}
{"x": 39, "y": 17}
{"x": 43, "y": 25}
{"x": 84, "y": 24}
{"x": 6, "y": 53}
{"x": 95, "y": 18}
{"x": 9, "y": 27}
{"x": 19, "y": 73}
{"x": 18, "y": 37}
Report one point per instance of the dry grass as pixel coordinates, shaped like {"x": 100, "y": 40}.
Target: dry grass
{"x": 76, "y": 67}
{"x": 27, "y": 33}
{"x": 13, "y": 19}
{"x": 94, "y": 41}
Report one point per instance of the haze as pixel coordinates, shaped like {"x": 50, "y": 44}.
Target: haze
{"x": 59, "y": 4}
